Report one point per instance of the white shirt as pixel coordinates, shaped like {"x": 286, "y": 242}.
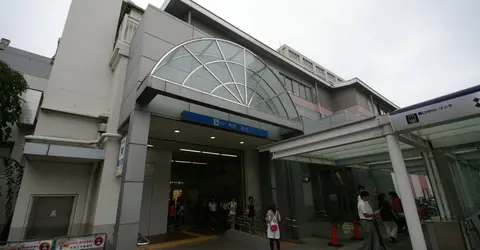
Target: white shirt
{"x": 364, "y": 207}
{"x": 359, "y": 199}
{"x": 233, "y": 208}
{"x": 212, "y": 206}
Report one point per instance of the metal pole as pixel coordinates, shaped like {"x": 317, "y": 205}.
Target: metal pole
{"x": 408, "y": 201}
{"x": 441, "y": 190}
{"x": 434, "y": 183}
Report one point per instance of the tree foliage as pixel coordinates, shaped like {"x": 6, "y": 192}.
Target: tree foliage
{"x": 12, "y": 86}
{"x": 14, "y": 174}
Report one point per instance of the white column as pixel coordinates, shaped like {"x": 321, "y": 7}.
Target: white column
{"x": 434, "y": 185}
{"x": 441, "y": 190}
{"x": 408, "y": 201}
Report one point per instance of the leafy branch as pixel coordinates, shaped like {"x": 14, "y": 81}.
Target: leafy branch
{"x": 14, "y": 174}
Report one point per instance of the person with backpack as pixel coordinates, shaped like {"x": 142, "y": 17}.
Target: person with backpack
{"x": 273, "y": 221}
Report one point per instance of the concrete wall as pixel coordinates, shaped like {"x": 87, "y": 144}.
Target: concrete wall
{"x": 48, "y": 178}
{"x": 27, "y": 63}
{"x": 155, "y": 195}
{"x": 81, "y": 77}
{"x": 151, "y": 41}
{"x": 252, "y": 177}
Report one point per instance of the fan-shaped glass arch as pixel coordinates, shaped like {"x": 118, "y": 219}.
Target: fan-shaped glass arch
{"x": 227, "y": 71}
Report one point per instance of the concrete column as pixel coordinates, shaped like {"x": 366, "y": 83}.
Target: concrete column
{"x": 441, "y": 187}
{"x": 408, "y": 201}
{"x": 464, "y": 183}
{"x": 128, "y": 217}
{"x": 434, "y": 184}
{"x": 160, "y": 192}
{"x": 451, "y": 191}
{"x": 252, "y": 176}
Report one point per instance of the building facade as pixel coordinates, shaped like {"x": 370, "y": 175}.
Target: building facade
{"x": 157, "y": 90}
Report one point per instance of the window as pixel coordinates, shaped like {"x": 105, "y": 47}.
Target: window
{"x": 331, "y": 77}
{"x": 302, "y": 94}
{"x": 309, "y": 94}
{"x": 288, "y": 84}
{"x": 294, "y": 56}
{"x": 320, "y": 71}
{"x": 297, "y": 88}
{"x": 308, "y": 64}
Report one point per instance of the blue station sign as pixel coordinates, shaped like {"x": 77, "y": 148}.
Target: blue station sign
{"x": 222, "y": 124}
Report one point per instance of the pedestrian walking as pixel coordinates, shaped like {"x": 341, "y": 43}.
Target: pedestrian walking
{"x": 251, "y": 213}
{"x": 232, "y": 212}
{"x": 389, "y": 217}
{"x": 273, "y": 222}
{"x": 365, "y": 212}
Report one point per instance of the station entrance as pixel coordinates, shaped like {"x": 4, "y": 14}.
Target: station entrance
{"x": 188, "y": 165}
{"x": 200, "y": 177}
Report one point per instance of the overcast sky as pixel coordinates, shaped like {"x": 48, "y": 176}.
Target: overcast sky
{"x": 409, "y": 51}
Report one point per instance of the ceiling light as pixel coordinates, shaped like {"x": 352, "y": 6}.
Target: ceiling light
{"x": 199, "y": 163}
{"x": 210, "y": 153}
{"x": 190, "y": 150}
{"x": 149, "y": 146}
{"x": 213, "y": 137}
{"x": 242, "y": 142}
{"x": 228, "y": 155}
{"x": 188, "y": 162}
{"x": 176, "y": 131}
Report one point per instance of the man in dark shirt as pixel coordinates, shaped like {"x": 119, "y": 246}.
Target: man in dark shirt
{"x": 388, "y": 216}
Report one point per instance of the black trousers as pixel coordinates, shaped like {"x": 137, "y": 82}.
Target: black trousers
{"x": 277, "y": 241}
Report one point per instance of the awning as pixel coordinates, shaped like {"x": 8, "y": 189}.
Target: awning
{"x": 61, "y": 153}
{"x": 450, "y": 123}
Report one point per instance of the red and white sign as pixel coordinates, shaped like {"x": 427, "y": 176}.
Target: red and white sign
{"x": 32, "y": 245}
{"x": 82, "y": 242}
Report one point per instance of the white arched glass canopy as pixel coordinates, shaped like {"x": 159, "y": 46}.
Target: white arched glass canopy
{"x": 227, "y": 71}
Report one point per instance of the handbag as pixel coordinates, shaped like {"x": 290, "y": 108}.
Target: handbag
{"x": 274, "y": 227}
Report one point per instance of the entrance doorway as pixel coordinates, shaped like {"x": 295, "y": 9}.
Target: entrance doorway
{"x": 200, "y": 177}
{"x": 49, "y": 217}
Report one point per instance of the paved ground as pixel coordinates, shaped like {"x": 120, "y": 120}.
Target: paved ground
{"x": 222, "y": 243}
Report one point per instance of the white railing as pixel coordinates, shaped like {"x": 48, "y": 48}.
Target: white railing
{"x": 127, "y": 29}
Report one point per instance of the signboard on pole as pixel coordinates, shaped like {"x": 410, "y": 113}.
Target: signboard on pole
{"x": 121, "y": 156}
{"x": 463, "y": 104}
{"x": 81, "y": 242}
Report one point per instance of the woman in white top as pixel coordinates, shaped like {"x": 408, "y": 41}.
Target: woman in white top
{"x": 273, "y": 223}
{"x": 232, "y": 212}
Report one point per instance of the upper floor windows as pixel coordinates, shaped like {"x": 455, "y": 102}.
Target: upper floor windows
{"x": 298, "y": 89}
{"x": 308, "y": 64}
{"x": 331, "y": 78}
{"x": 294, "y": 56}
{"x": 320, "y": 71}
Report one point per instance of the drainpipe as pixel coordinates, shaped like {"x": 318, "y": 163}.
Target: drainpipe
{"x": 73, "y": 141}
{"x": 86, "y": 208}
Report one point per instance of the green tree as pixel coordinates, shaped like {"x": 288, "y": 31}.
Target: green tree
{"x": 12, "y": 86}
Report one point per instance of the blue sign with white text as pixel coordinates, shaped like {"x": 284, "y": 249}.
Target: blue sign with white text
{"x": 214, "y": 122}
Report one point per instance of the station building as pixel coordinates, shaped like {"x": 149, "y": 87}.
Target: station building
{"x": 141, "y": 106}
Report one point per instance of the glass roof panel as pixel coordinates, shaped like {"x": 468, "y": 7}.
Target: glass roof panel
{"x": 219, "y": 68}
